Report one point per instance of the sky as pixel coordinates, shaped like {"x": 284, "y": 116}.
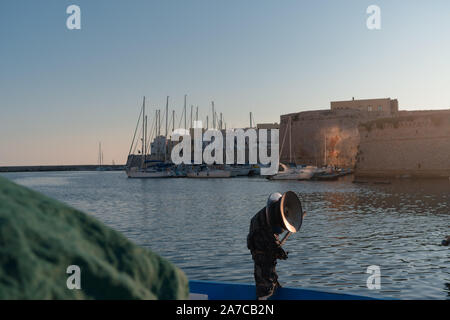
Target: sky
{"x": 63, "y": 91}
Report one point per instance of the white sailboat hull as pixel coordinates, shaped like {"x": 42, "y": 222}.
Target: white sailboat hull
{"x": 307, "y": 173}
{"x": 285, "y": 176}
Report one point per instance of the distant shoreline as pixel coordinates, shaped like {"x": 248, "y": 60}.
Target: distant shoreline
{"x": 62, "y": 168}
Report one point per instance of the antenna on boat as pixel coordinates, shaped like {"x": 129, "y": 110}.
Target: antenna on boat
{"x": 207, "y": 122}
{"x": 221, "y": 121}
{"x": 196, "y": 114}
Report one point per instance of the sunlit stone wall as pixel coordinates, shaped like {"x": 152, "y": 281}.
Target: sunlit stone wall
{"x": 413, "y": 144}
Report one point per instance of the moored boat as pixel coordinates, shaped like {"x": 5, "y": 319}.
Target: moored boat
{"x": 209, "y": 172}
{"x": 149, "y": 173}
{"x": 240, "y": 170}
{"x": 288, "y": 173}
{"x": 326, "y": 177}
{"x": 306, "y": 173}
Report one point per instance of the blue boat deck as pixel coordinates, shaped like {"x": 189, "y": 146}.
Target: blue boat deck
{"x": 209, "y": 290}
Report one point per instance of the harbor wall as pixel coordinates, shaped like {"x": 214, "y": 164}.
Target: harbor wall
{"x": 60, "y": 168}
{"x": 411, "y": 144}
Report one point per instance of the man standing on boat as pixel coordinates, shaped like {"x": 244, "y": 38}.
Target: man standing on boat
{"x": 282, "y": 213}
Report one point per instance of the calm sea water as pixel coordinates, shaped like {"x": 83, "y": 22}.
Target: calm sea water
{"x": 202, "y": 225}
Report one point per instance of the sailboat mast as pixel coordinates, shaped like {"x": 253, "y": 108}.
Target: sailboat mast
{"x": 213, "y": 114}
{"x": 156, "y": 123}
{"x": 173, "y": 120}
{"x": 167, "y": 114}
{"x": 159, "y": 122}
{"x": 100, "y": 154}
{"x": 290, "y": 139}
{"x": 143, "y": 133}
{"x": 135, "y": 131}
{"x": 167, "y": 119}
{"x": 192, "y": 108}
{"x": 145, "y": 144}
{"x": 185, "y": 121}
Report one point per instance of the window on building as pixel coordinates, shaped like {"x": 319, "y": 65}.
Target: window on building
{"x": 380, "y": 108}
{"x": 369, "y": 108}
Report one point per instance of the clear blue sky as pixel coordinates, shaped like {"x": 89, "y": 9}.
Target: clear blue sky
{"x": 62, "y": 91}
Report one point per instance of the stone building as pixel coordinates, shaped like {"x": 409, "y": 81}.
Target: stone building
{"x": 412, "y": 144}
{"x": 268, "y": 126}
{"x": 387, "y": 106}
{"x": 329, "y": 137}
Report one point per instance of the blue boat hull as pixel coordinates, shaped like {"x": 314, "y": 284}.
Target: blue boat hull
{"x": 236, "y": 291}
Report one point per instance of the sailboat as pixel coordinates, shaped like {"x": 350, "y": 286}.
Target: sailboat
{"x": 149, "y": 173}
{"x": 240, "y": 170}
{"x": 306, "y": 173}
{"x": 100, "y": 158}
{"x": 149, "y": 169}
{"x": 288, "y": 172}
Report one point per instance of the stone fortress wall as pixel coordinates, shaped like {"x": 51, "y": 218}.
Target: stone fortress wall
{"x": 412, "y": 144}
{"x": 370, "y": 135}
{"x": 329, "y": 137}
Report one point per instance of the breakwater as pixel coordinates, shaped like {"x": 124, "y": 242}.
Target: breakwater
{"x": 61, "y": 168}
